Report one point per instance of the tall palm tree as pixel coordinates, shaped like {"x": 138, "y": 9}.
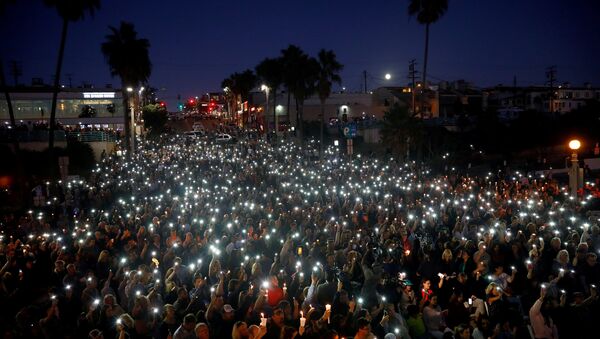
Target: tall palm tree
{"x": 239, "y": 85}
{"x": 291, "y": 58}
{"x": 68, "y": 10}
{"x": 270, "y": 72}
{"x": 128, "y": 58}
{"x": 4, "y": 86}
{"x": 427, "y": 13}
{"x": 228, "y": 85}
{"x": 305, "y": 86}
{"x": 328, "y": 74}
{"x": 245, "y": 82}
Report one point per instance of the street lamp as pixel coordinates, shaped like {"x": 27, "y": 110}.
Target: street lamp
{"x": 388, "y": 76}
{"x": 575, "y": 173}
{"x": 265, "y": 89}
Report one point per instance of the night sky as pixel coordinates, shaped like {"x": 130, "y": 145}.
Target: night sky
{"x": 196, "y": 44}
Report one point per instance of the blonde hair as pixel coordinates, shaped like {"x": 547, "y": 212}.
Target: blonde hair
{"x": 560, "y": 253}
{"x": 103, "y": 256}
{"x": 447, "y": 254}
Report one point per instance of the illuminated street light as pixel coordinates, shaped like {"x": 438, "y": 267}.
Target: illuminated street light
{"x": 388, "y": 76}
{"x": 129, "y": 89}
{"x": 575, "y": 173}
{"x": 574, "y": 144}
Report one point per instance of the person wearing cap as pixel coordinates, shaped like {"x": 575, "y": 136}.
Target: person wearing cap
{"x": 223, "y": 323}
{"x": 407, "y": 297}
{"x": 186, "y": 330}
{"x": 95, "y": 334}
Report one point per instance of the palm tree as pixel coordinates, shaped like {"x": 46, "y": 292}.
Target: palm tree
{"x": 11, "y": 112}
{"x": 245, "y": 82}
{"x": 128, "y": 58}
{"x": 230, "y": 96}
{"x": 427, "y": 13}
{"x": 270, "y": 72}
{"x": 329, "y": 69}
{"x": 238, "y": 87}
{"x": 305, "y": 87}
{"x": 400, "y": 129}
{"x": 291, "y": 58}
{"x": 68, "y": 10}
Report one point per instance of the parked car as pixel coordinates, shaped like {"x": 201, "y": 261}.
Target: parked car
{"x": 224, "y": 137}
{"x": 194, "y": 134}
{"x": 197, "y": 127}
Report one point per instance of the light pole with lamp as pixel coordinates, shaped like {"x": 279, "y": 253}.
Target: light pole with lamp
{"x": 265, "y": 89}
{"x": 131, "y": 121}
{"x": 575, "y": 173}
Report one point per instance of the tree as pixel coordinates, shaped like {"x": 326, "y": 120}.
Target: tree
{"x": 291, "y": 58}
{"x": 155, "y": 118}
{"x": 328, "y": 73}
{"x": 3, "y": 84}
{"x": 128, "y": 58}
{"x": 427, "y": 13}
{"x": 270, "y": 72}
{"x": 400, "y": 129}
{"x": 230, "y": 96}
{"x": 240, "y": 85}
{"x": 69, "y": 11}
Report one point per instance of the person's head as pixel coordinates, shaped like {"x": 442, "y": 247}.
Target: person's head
{"x": 364, "y": 327}
{"x": 240, "y": 330}
{"x": 169, "y": 311}
{"x": 95, "y": 334}
{"x": 447, "y": 255}
{"x": 462, "y": 331}
{"x": 189, "y": 322}
{"x": 125, "y": 321}
{"x": 591, "y": 259}
{"x": 198, "y": 281}
{"x": 228, "y": 312}
{"x": 59, "y": 265}
{"x": 562, "y": 257}
{"x": 462, "y": 278}
{"x": 426, "y": 284}
{"x": 433, "y": 301}
{"x": 555, "y": 243}
{"x": 254, "y": 330}
{"x": 202, "y": 331}
{"x": 278, "y": 316}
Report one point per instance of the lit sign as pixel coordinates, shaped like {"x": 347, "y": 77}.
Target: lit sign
{"x": 98, "y": 95}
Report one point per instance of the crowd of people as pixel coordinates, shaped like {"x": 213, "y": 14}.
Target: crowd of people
{"x": 190, "y": 239}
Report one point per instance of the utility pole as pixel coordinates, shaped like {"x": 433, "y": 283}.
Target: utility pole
{"x": 551, "y": 78}
{"x": 412, "y": 75}
{"x": 365, "y": 80}
{"x": 16, "y": 70}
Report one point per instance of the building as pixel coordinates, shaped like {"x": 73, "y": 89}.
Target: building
{"x": 538, "y": 98}
{"x": 101, "y": 107}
